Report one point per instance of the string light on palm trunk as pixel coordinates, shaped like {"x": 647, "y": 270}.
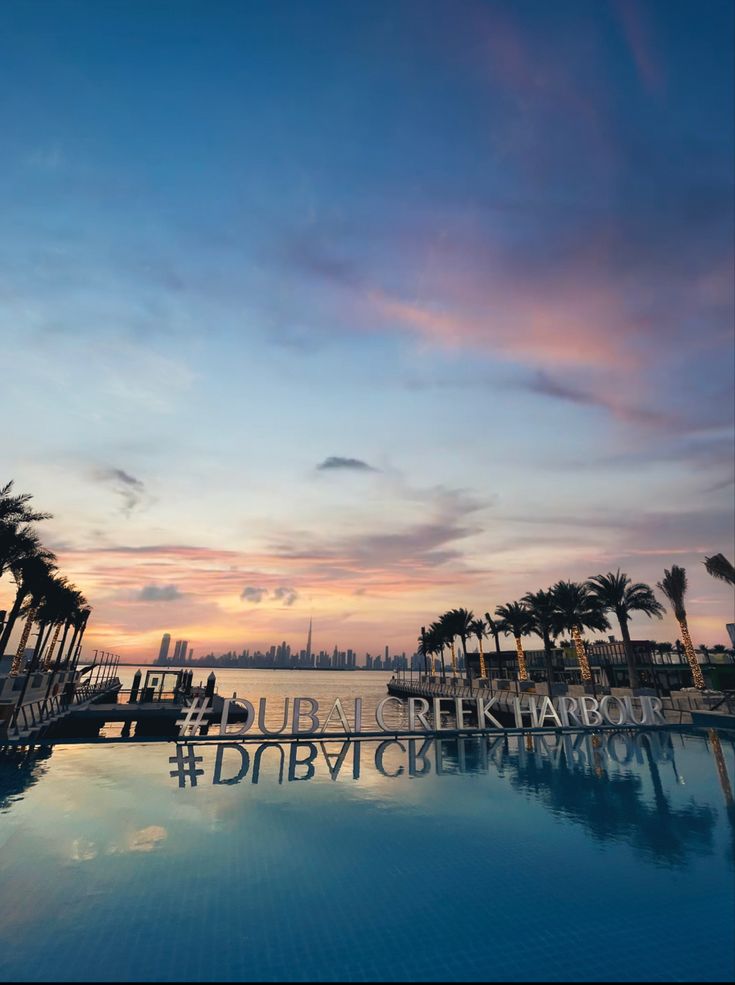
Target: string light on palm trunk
{"x": 584, "y": 663}
{"x": 697, "y": 675}
{"x": 49, "y": 653}
{"x": 18, "y": 658}
{"x": 522, "y": 671}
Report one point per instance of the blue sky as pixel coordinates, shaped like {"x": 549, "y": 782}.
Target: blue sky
{"x": 483, "y": 248}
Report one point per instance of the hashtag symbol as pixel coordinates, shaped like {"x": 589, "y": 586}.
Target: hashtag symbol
{"x": 191, "y": 723}
{"x": 186, "y": 765}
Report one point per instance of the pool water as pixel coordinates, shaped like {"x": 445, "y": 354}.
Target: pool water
{"x": 496, "y": 858}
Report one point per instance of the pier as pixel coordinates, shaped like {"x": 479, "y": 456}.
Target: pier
{"x": 34, "y": 702}
{"x": 684, "y": 707}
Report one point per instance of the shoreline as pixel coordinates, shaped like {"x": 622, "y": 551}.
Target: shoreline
{"x": 328, "y": 670}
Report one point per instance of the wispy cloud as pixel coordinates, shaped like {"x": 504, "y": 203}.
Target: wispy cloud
{"x": 281, "y": 593}
{"x": 637, "y": 35}
{"x": 336, "y": 462}
{"x": 545, "y": 385}
{"x": 160, "y": 593}
{"x": 131, "y": 490}
{"x": 252, "y": 594}
{"x": 286, "y": 595}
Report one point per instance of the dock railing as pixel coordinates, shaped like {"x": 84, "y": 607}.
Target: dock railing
{"x": 35, "y": 714}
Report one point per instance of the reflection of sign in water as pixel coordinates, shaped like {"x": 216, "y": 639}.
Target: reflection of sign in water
{"x": 593, "y": 779}
{"x": 186, "y": 765}
{"x": 584, "y": 711}
{"x": 231, "y": 763}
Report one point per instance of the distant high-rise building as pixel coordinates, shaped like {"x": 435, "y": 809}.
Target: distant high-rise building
{"x": 163, "y": 651}
{"x": 308, "y": 644}
{"x": 177, "y": 652}
{"x": 183, "y": 651}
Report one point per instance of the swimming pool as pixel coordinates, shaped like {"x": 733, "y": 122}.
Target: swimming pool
{"x": 513, "y": 857}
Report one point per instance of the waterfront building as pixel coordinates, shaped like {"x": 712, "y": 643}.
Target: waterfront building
{"x": 163, "y": 650}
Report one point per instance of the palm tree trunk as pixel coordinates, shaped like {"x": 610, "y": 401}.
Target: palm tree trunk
{"x": 482, "y": 658}
{"x": 522, "y": 671}
{"x": 71, "y": 646}
{"x": 584, "y": 664}
{"x": 18, "y": 658}
{"x": 697, "y": 677}
{"x": 79, "y": 646}
{"x": 40, "y": 640}
{"x": 466, "y": 665}
{"x": 57, "y": 662}
{"x": 444, "y": 668}
{"x": 42, "y": 651}
{"x": 50, "y": 651}
{"x": 15, "y": 610}
{"x": 549, "y": 662}
{"x": 454, "y": 659}
{"x": 629, "y": 657}
{"x": 31, "y": 668}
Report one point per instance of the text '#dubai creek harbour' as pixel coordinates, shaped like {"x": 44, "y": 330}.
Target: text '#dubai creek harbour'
{"x": 584, "y": 711}
{"x": 367, "y": 456}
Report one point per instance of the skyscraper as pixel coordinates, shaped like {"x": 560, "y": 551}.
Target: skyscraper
{"x": 183, "y": 650}
{"x": 308, "y": 645}
{"x": 163, "y": 651}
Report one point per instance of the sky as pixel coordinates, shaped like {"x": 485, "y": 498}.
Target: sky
{"x": 366, "y": 311}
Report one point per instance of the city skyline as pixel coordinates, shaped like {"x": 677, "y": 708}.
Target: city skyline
{"x": 280, "y": 655}
{"x": 367, "y": 311}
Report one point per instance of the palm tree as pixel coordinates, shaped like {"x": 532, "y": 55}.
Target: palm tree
{"x": 52, "y": 613}
{"x": 462, "y": 622}
{"x": 38, "y": 582}
{"x": 477, "y": 627}
{"x": 48, "y": 606}
{"x": 493, "y": 627}
{"x": 617, "y": 593}
{"x": 674, "y": 587}
{"x": 16, "y": 543}
{"x": 448, "y": 623}
{"x": 575, "y": 609}
{"x": 541, "y": 606}
{"x": 719, "y": 567}
{"x": 28, "y": 571}
{"x": 516, "y": 621}
{"x": 425, "y": 648}
{"x": 14, "y": 508}
{"x": 74, "y": 604}
{"x": 438, "y": 636}
{"x": 79, "y": 621}
{"x": 71, "y": 602}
